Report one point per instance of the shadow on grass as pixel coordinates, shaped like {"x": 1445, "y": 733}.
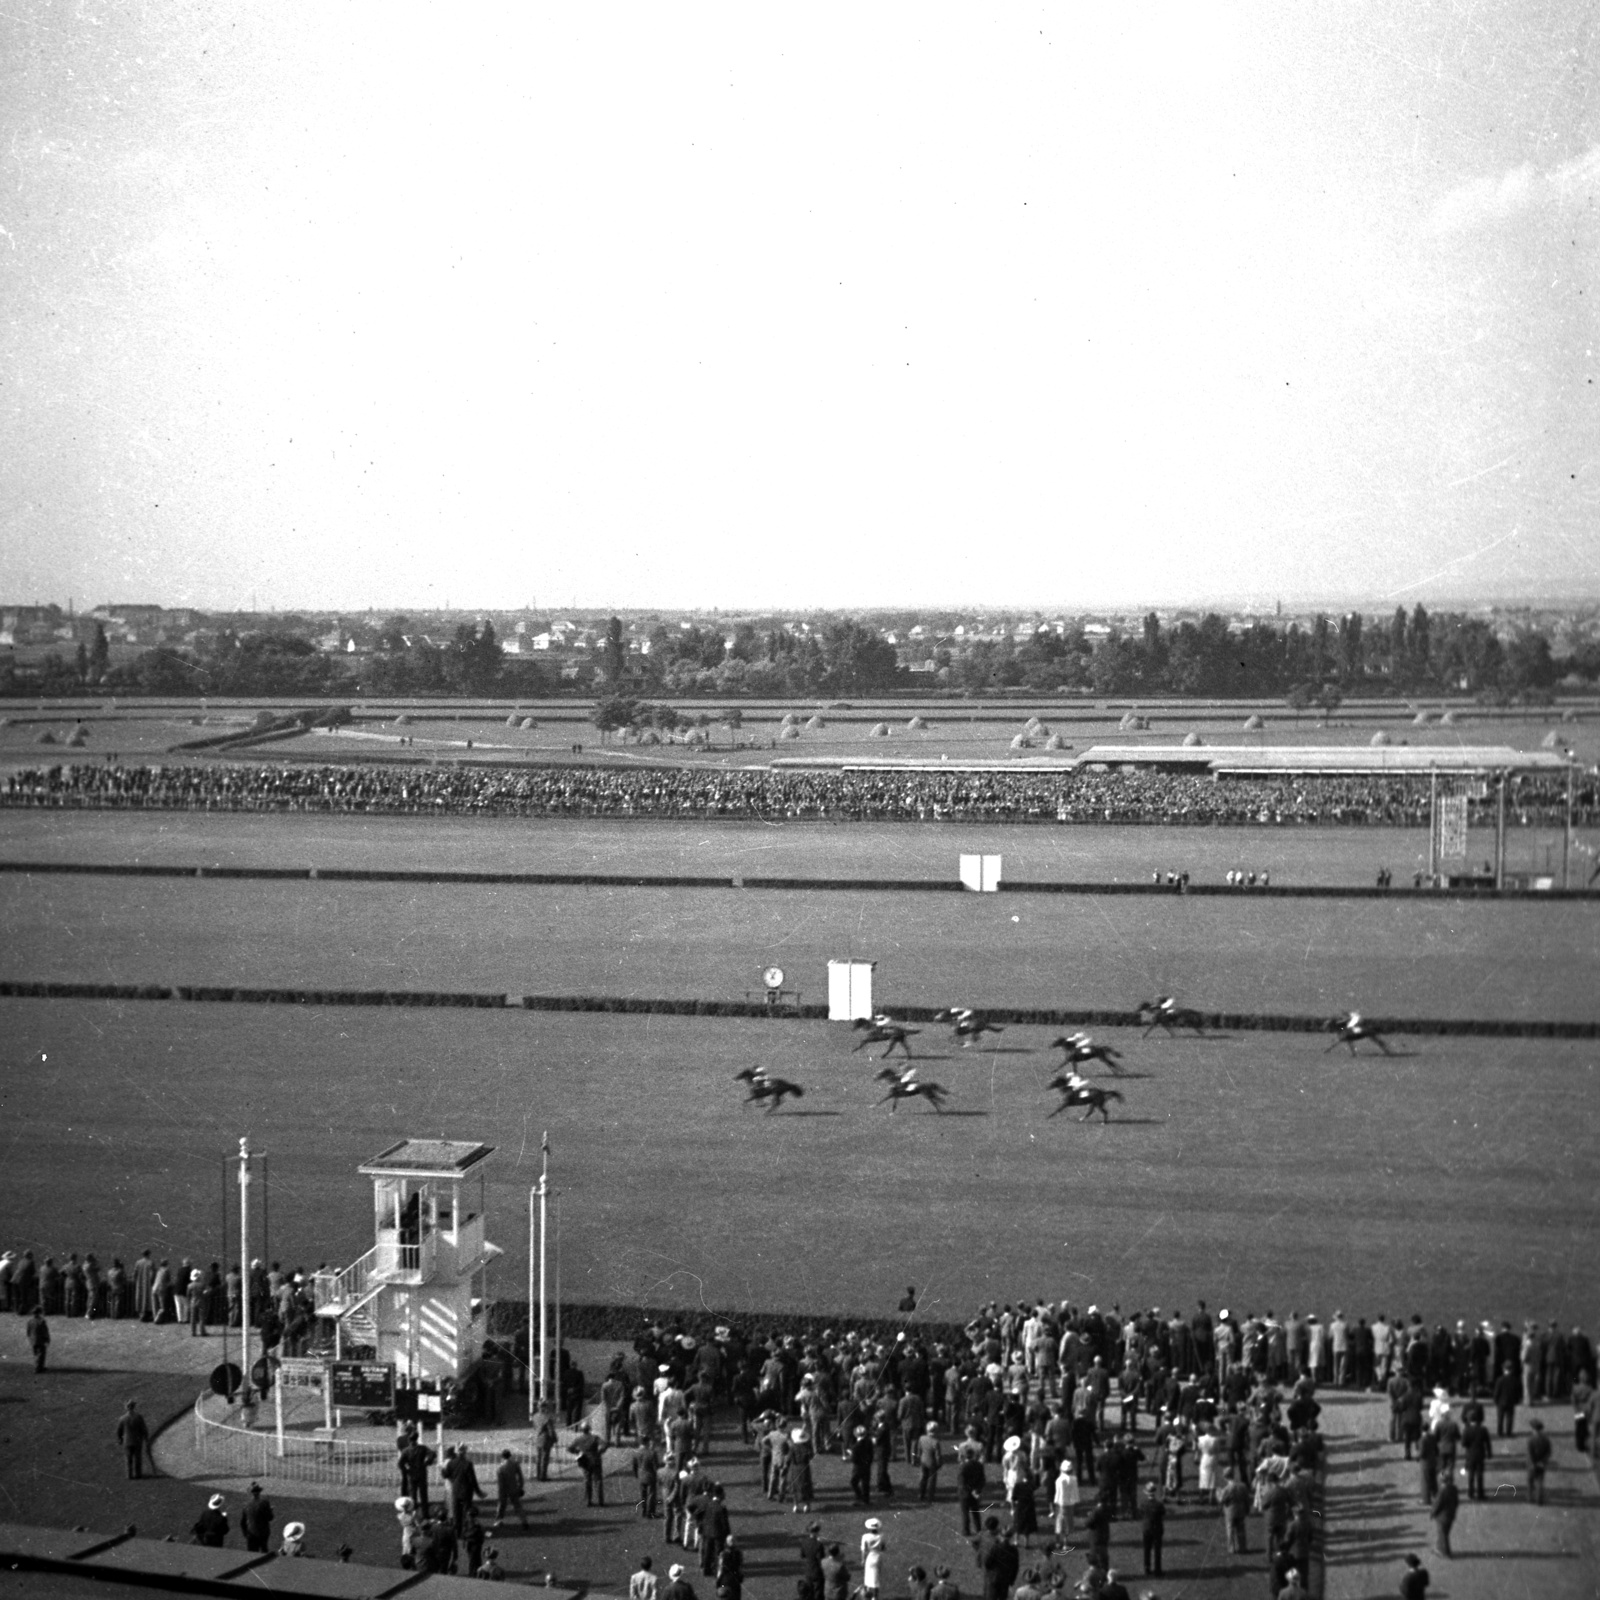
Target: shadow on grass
{"x": 807, "y": 1113}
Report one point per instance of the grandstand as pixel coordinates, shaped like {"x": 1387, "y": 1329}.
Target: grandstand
{"x": 1365, "y": 760}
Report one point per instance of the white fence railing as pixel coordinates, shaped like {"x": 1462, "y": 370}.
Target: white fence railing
{"x": 311, "y": 1456}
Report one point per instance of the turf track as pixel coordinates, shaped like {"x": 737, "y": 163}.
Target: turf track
{"x": 1458, "y": 1180}
{"x": 1399, "y": 958}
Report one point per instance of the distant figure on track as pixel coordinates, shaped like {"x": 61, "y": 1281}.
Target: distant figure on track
{"x": 1080, "y": 1093}
{"x": 1353, "y": 1029}
{"x": 763, "y": 1086}
{"x": 882, "y": 1028}
{"x": 904, "y": 1085}
{"x": 1164, "y": 1012}
{"x": 1081, "y": 1048}
{"x": 968, "y": 1024}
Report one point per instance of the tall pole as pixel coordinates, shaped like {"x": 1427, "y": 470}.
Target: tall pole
{"x": 224, "y": 1257}
{"x": 544, "y": 1275}
{"x": 244, "y": 1268}
{"x": 533, "y": 1328}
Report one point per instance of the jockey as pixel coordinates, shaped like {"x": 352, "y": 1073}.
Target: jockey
{"x": 1352, "y": 1023}
{"x": 908, "y": 1077}
{"x": 1076, "y": 1080}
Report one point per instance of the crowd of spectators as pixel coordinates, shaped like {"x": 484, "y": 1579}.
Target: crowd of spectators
{"x": 1070, "y": 1419}
{"x": 182, "y": 1293}
{"x": 703, "y": 793}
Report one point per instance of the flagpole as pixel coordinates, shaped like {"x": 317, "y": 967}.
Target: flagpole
{"x": 544, "y": 1296}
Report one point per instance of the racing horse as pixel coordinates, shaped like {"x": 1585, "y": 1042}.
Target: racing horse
{"x": 967, "y": 1023}
{"x": 906, "y": 1087}
{"x": 1354, "y": 1028}
{"x": 882, "y": 1028}
{"x": 763, "y": 1086}
{"x": 1080, "y": 1048}
{"x": 1164, "y": 1012}
{"x": 1083, "y": 1094}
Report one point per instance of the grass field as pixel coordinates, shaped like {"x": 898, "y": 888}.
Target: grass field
{"x": 1458, "y": 1181}
{"x": 1044, "y": 853}
{"x": 1397, "y": 957}
{"x": 960, "y": 730}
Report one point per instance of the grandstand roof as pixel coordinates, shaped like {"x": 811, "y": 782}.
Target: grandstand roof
{"x": 1332, "y": 759}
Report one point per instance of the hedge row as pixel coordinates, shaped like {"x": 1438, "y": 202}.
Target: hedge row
{"x": 1211, "y": 1021}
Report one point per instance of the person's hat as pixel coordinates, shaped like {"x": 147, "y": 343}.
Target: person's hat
{"x": 1413, "y": 1561}
{"x": 663, "y": 1368}
{"x": 295, "y": 1530}
{"x": 405, "y": 1503}
{"x": 1536, "y": 1423}
{"x": 1092, "y": 1310}
{"x": 861, "y": 1433}
{"x": 691, "y": 1344}
{"x": 722, "y": 1332}
{"x": 799, "y": 1435}
{"x": 214, "y": 1503}
{"x": 932, "y": 1427}
{"x": 813, "y": 1527}
{"x": 1013, "y": 1443}
{"x": 941, "y": 1571}
{"x": 675, "y": 1571}
{"x": 255, "y": 1488}
{"x": 872, "y": 1525}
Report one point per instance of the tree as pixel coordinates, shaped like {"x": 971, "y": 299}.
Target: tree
{"x": 81, "y": 662}
{"x": 99, "y": 654}
{"x": 614, "y": 653}
{"x": 1300, "y": 698}
{"x": 1329, "y": 698}
{"x": 474, "y": 658}
{"x": 619, "y": 711}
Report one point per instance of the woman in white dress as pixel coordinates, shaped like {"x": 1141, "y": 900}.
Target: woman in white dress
{"x": 1065, "y": 1499}
{"x": 872, "y": 1547}
{"x": 1206, "y": 1449}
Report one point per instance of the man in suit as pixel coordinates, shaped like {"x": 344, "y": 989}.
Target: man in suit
{"x": 38, "y": 1335}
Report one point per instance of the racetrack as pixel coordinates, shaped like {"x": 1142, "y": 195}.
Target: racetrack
{"x": 1457, "y": 1180}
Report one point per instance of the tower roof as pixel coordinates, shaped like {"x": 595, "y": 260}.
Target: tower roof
{"x": 427, "y": 1158}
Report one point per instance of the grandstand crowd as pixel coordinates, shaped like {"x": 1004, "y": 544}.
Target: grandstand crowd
{"x": 704, "y": 793}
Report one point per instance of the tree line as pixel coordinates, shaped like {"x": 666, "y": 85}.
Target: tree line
{"x": 1408, "y": 653}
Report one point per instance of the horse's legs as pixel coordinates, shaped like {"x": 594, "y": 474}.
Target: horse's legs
{"x": 1058, "y": 1110}
{"x": 1377, "y": 1039}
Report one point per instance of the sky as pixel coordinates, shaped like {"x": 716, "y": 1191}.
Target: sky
{"x": 391, "y": 305}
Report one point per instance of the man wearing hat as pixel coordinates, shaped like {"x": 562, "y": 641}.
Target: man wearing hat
{"x": 211, "y": 1527}
{"x": 294, "y": 1540}
{"x": 255, "y": 1521}
{"x": 812, "y": 1551}
{"x": 930, "y": 1457}
{"x": 678, "y": 1586}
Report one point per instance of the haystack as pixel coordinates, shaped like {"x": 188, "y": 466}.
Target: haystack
{"x": 404, "y": 720}
{"x": 880, "y": 730}
{"x": 1379, "y": 738}
{"x": 815, "y": 722}
{"x": 1449, "y": 719}
{"x": 1021, "y": 742}
{"x": 1055, "y": 742}
{"x": 46, "y": 737}
{"x": 917, "y": 723}
{"x": 1421, "y": 720}
{"x": 1553, "y": 741}
{"x": 787, "y": 720}
{"x": 1191, "y": 740}
{"x": 791, "y": 732}
{"x": 527, "y": 722}
{"x": 1253, "y": 723}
